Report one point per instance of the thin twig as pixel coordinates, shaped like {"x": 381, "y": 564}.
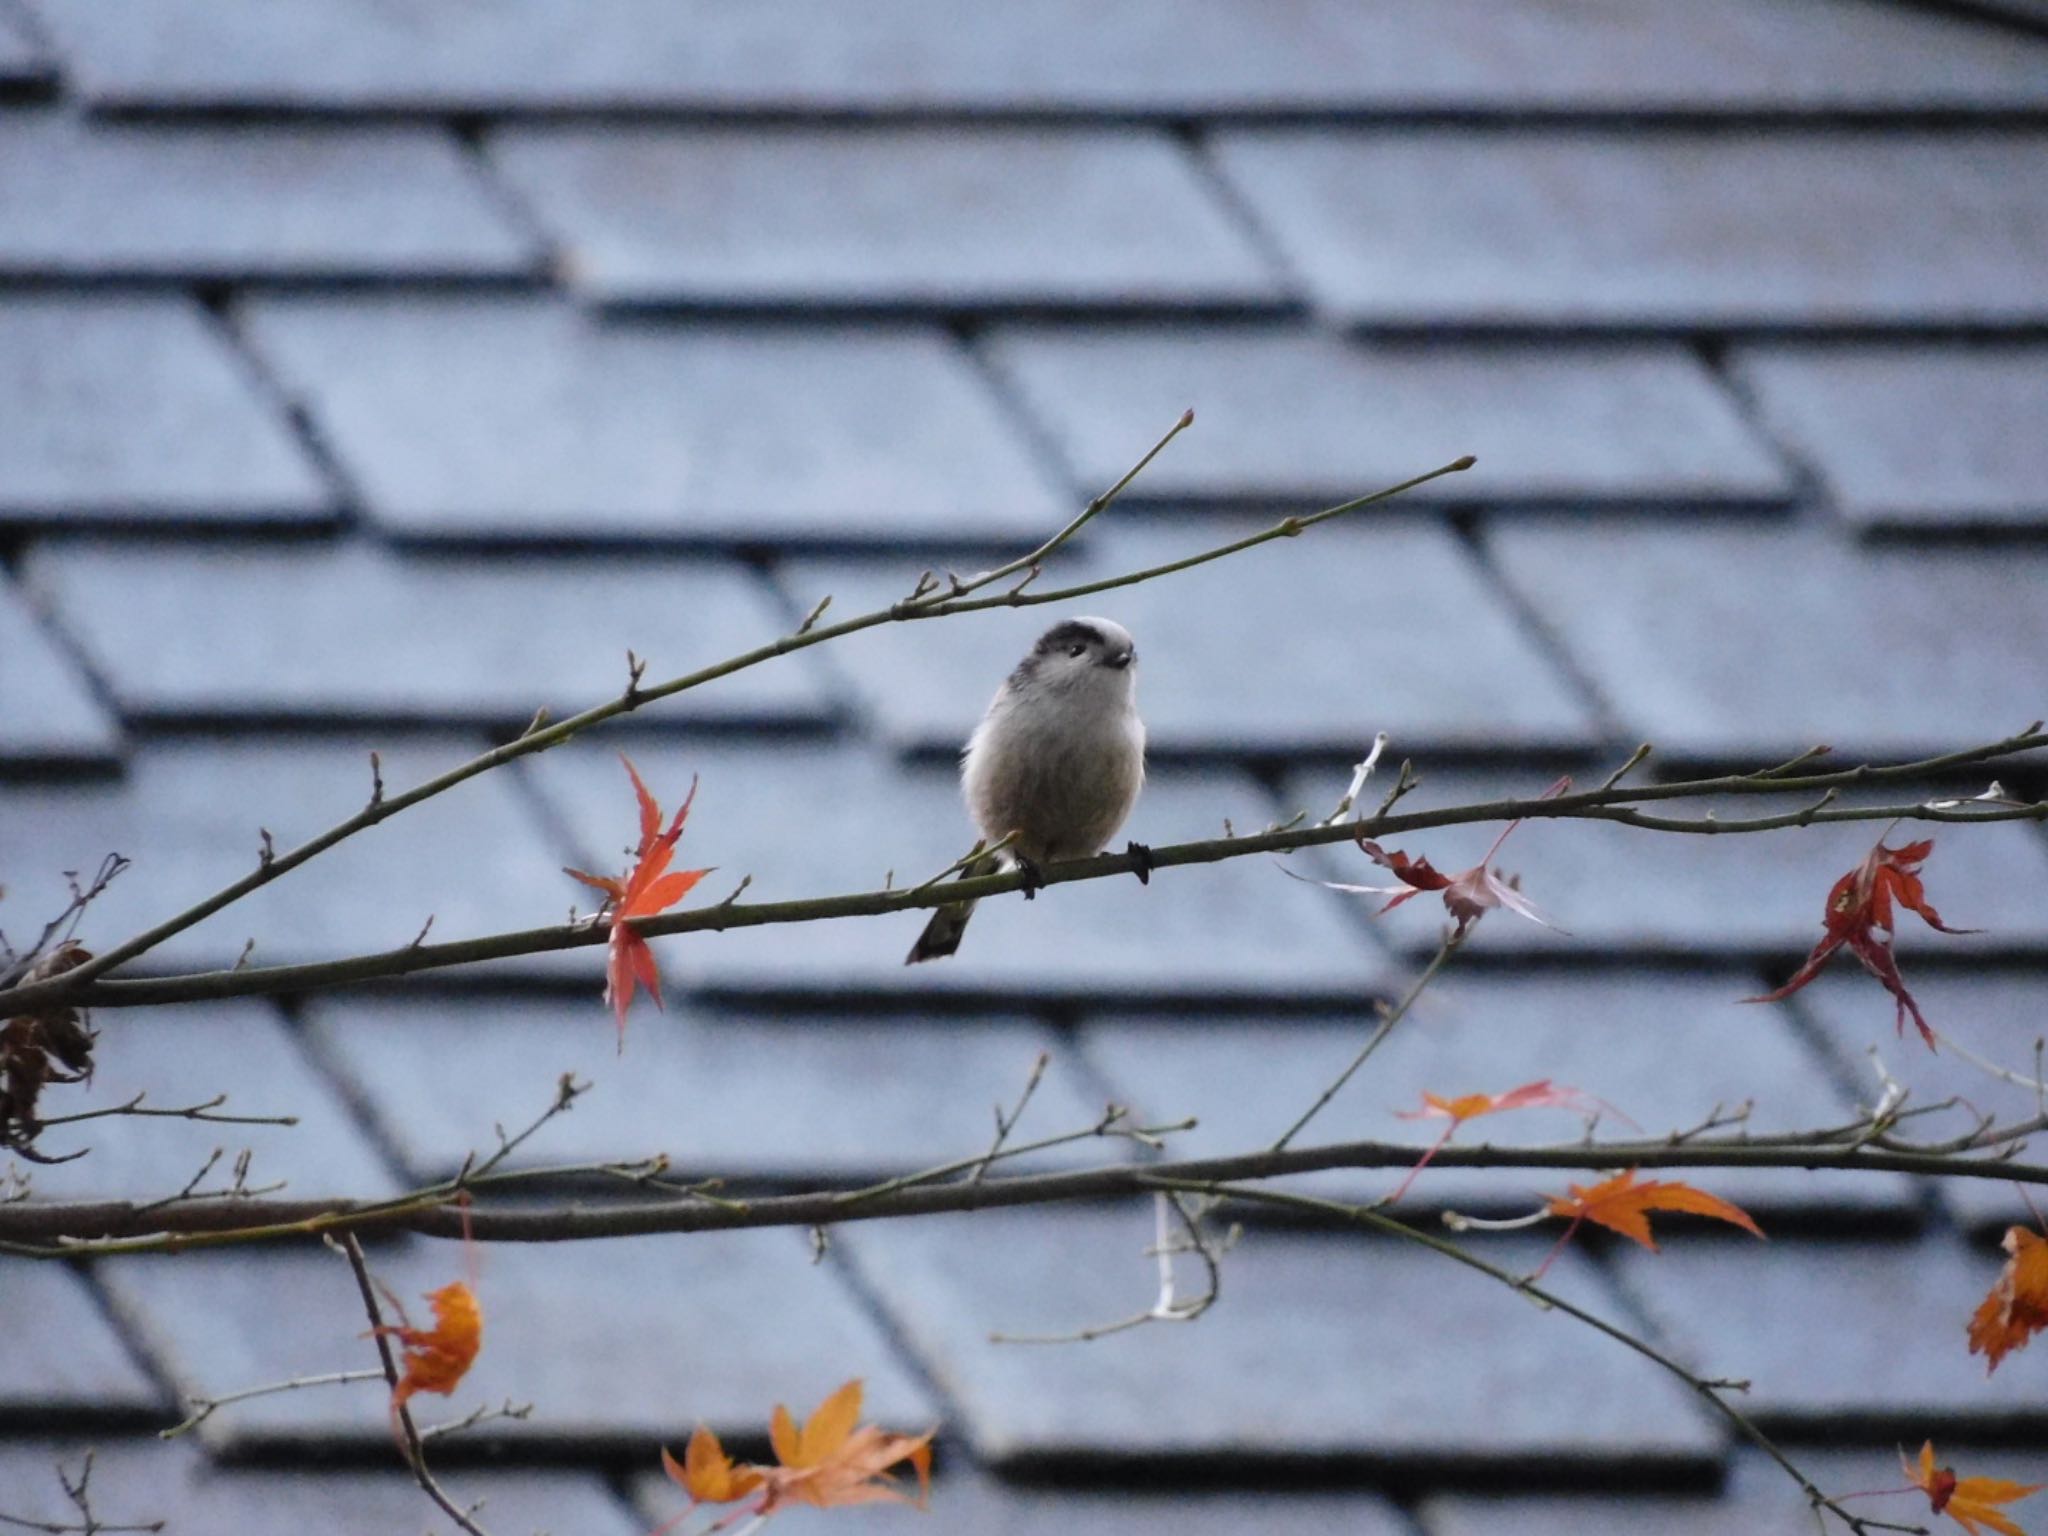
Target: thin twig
{"x": 65, "y": 923}
{"x": 80, "y": 1495}
{"x": 204, "y": 1408}
{"x": 1635, "y": 759}
{"x": 138, "y": 1108}
{"x": 483, "y": 1413}
{"x": 1393, "y": 1016}
{"x": 1167, "y": 1307}
{"x": 1361, "y": 775}
{"x": 1006, "y": 1123}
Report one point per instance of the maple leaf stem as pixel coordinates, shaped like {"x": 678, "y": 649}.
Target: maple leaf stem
{"x": 415, "y": 1450}
{"x": 1422, "y": 1162}
{"x": 1394, "y": 1015}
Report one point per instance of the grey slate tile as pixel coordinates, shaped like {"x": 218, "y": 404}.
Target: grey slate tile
{"x": 965, "y": 1501}
{"x": 1838, "y": 1335}
{"x": 81, "y": 199}
{"x": 129, "y": 408}
{"x": 45, "y": 699}
{"x": 137, "y": 1480}
{"x": 1799, "y": 637}
{"x": 1995, "y": 1015}
{"x": 1678, "y": 228}
{"x": 189, "y": 814}
{"x": 22, "y": 60}
{"x": 965, "y": 219}
{"x": 813, "y": 820}
{"x": 1297, "y": 415}
{"x": 1155, "y": 57}
{"x": 1936, "y": 435}
{"x": 1627, "y": 890}
{"x": 505, "y": 418}
{"x": 1758, "y": 1500}
{"x": 1664, "y": 1050}
{"x": 175, "y": 1057}
{"x": 355, "y": 630}
{"x": 627, "y": 1341}
{"x": 69, "y": 1359}
{"x": 1280, "y": 649}
{"x": 796, "y": 1097}
{"x": 1324, "y": 1345}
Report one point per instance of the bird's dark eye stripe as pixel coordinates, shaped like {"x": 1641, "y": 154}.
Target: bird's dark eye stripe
{"x": 1073, "y": 632}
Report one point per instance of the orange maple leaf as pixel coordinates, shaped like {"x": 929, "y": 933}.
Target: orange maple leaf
{"x": 1859, "y": 914}
{"x": 1622, "y": 1205}
{"x": 827, "y": 1462}
{"x": 1470, "y": 1106}
{"x": 437, "y": 1358}
{"x": 649, "y": 887}
{"x": 1969, "y": 1501}
{"x": 2017, "y": 1307}
{"x": 707, "y": 1474}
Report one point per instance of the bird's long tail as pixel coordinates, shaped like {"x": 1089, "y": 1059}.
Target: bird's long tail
{"x": 941, "y": 936}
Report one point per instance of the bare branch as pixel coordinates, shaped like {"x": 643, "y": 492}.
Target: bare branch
{"x": 37, "y": 1230}
{"x": 1617, "y": 804}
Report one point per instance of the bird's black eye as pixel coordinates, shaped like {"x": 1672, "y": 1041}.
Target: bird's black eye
{"x": 1077, "y": 650}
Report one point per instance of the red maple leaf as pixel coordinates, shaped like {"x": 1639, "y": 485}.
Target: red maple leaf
{"x": 1468, "y": 896}
{"x": 649, "y": 887}
{"x": 1859, "y": 915}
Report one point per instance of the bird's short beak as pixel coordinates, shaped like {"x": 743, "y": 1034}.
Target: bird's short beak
{"x": 1120, "y": 661}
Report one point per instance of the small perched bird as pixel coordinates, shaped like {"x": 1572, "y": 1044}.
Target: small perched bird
{"x": 1057, "y": 761}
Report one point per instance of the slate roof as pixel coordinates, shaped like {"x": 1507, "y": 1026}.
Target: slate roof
{"x": 374, "y": 372}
